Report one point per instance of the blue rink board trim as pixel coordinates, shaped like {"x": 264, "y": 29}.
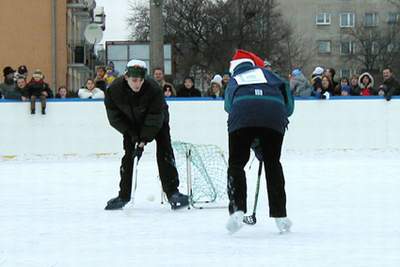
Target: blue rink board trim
{"x": 194, "y": 99}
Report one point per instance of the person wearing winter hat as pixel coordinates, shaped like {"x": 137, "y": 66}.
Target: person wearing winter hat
{"x": 20, "y": 91}
{"x": 366, "y": 84}
{"x": 215, "y": 89}
{"x": 337, "y": 91}
{"x": 326, "y": 90}
{"x": 37, "y": 88}
{"x": 345, "y": 90}
{"x": 318, "y": 71}
{"x": 136, "y": 108}
{"x": 9, "y": 82}
{"x": 316, "y": 78}
{"x": 110, "y": 75}
{"x": 23, "y": 71}
{"x": 299, "y": 85}
{"x": 255, "y": 101}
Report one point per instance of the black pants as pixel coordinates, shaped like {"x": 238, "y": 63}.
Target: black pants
{"x": 42, "y": 101}
{"x": 165, "y": 161}
{"x": 239, "y": 153}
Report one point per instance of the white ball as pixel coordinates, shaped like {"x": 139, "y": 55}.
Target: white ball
{"x": 151, "y": 198}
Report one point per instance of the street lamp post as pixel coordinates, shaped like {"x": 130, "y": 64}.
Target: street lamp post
{"x": 156, "y": 35}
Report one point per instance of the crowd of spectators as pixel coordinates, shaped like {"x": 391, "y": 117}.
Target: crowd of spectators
{"x": 322, "y": 85}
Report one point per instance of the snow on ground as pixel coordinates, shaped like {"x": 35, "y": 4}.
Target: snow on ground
{"x": 344, "y": 206}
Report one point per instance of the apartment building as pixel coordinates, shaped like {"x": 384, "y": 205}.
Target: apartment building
{"x": 323, "y": 29}
{"x": 48, "y": 35}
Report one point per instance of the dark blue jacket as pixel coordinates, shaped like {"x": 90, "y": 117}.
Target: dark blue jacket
{"x": 255, "y": 97}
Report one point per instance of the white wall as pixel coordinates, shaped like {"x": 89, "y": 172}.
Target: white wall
{"x": 82, "y": 128}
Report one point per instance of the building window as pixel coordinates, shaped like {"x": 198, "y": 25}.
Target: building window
{"x": 347, "y": 48}
{"x": 324, "y": 47}
{"x": 347, "y": 20}
{"x": 393, "y": 18}
{"x": 371, "y": 19}
{"x": 323, "y": 19}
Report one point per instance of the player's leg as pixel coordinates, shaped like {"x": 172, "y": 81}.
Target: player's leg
{"x": 126, "y": 171}
{"x": 239, "y": 153}
{"x": 271, "y": 142}
{"x": 167, "y": 169}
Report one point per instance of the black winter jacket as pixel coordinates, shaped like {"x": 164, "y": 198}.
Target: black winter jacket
{"x": 139, "y": 115}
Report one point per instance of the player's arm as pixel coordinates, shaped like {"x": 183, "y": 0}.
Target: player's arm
{"x": 229, "y": 94}
{"x": 116, "y": 118}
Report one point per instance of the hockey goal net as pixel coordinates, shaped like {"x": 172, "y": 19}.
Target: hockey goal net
{"x": 203, "y": 173}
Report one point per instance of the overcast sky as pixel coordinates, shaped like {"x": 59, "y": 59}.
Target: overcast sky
{"x": 116, "y": 13}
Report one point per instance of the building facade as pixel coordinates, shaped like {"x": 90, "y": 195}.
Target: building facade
{"x": 48, "y": 35}
{"x": 324, "y": 29}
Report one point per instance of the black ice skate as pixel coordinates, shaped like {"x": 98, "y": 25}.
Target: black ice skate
{"x": 178, "y": 200}
{"x": 115, "y": 204}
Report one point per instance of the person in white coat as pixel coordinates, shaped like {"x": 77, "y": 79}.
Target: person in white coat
{"x": 91, "y": 91}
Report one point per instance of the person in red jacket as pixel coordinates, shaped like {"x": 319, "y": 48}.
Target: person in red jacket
{"x": 37, "y": 88}
{"x": 366, "y": 84}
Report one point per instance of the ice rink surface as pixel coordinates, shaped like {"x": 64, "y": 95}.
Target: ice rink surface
{"x": 345, "y": 208}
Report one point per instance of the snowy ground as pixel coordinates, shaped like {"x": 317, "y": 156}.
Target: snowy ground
{"x": 344, "y": 206}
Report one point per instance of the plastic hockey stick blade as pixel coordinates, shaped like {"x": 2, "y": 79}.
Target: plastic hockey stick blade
{"x": 250, "y": 219}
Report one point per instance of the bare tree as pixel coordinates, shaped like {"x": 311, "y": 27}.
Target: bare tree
{"x": 376, "y": 47}
{"x": 205, "y": 33}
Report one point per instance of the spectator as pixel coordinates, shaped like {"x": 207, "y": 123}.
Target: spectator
{"x": 37, "y": 88}
{"x": 215, "y": 89}
{"x": 158, "y": 75}
{"x": 390, "y": 86}
{"x": 344, "y": 81}
{"x": 90, "y": 91}
{"x": 188, "y": 89}
{"x": 345, "y": 90}
{"x": 225, "y": 80}
{"x": 169, "y": 90}
{"x": 366, "y": 84}
{"x": 326, "y": 90}
{"x": 111, "y": 74}
{"x": 9, "y": 84}
{"x": 354, "y": 88}
{"x": 299, "y": 84}
{"x": 112, "y": 66}
{"x": 316, "y": 78}
{"x": 23, "y": 71}
{"x": 330, "y": 72}
{"x": 62, "y": 92}
{"x": 100, "y": 78}
{"x": 20, "y": 91}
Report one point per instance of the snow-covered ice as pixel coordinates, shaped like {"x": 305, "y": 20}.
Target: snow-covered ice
{"x": 344, "y": 206}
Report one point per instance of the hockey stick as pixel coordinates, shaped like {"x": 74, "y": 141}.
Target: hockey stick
{"x": 137, "y": 154}
{"x": 251, "y": 219}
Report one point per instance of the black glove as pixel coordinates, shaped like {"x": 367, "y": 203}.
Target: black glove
{"x": 388, "y": 97}
{"x": 257, "y": 149}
